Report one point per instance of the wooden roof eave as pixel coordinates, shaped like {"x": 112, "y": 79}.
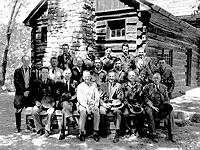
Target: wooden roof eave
{"x": 160, "y": 10}
{"x": 36, "y": 12}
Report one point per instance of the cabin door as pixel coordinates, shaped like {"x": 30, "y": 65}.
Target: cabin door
{"x": 189, "y": 66}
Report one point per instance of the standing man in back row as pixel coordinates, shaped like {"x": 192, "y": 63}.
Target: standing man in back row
{"x": 65, "y": 60}
{"x": 23, "y": 79}
{"x": 167, "y": 77}
{"x": 128, "y": 60}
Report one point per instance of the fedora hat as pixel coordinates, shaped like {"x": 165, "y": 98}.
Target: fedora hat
{"x": 117, "y": 104}
{"x": 47, "y": 102}
{"x": 135, "y": 109}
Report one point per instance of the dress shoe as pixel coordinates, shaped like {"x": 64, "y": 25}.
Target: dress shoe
{"x": 81, "y": 137}
{"x": 154, "y": 139}
{"x": 40, "y": 132}
{"x": 62, "y": 136}
{"x": 18, "y": 130}
{"x": 31, "y": 129}
{"x": 116, "y": 138}
{"x": 96, "y": 136}
{"x": 47, "y": 133}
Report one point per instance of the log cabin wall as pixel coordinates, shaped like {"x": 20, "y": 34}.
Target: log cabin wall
{"x": 169, "y": 35}
{"x": 164, "y": 36}
{"x": 116, "y": 23}
{"x": 39, "y": 39}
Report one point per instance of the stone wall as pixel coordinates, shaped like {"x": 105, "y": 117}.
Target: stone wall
{"x": 71, "y": 22}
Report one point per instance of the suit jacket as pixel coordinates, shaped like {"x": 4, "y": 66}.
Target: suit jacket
{"x": 128, "y": 62}
{"x": 41, "y": 89}
{"x": 167, "y": 79}
{"x": 120, "y": 75}
{"x": 132, "y": 93}
{"x": 19, "y": 82}
{"x": 108, "y": 62}
{"x": 107, "y": 95}
{"x": 98, "y": 76}
{"x": 151, "y": 89}
{"x": 65, "y": 93}
{"x": 65, "y": 61}
{"x": 87, "y": 95}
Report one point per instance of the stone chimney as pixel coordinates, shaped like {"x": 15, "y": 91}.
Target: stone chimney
{"x": 69, "y": 22}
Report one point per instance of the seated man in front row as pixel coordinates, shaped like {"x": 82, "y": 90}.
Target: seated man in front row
{"x": 133, "y": 104}
{"x": 88, "y": 103}
{"x": 111, "y": 101}
{"x": 157, "y": 107}
{"x": 43, "y": 92}
{"x": 66, "y": 91}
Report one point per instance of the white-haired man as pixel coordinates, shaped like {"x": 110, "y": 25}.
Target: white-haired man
{"x": 88, "y": 103}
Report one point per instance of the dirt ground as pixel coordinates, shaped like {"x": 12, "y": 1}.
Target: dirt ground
{"x": 187, "y": 137}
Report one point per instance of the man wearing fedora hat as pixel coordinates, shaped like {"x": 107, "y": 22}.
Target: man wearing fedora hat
{"x": 66, "y": 91}
{"x": 157, "y": 106}
{"x": 111, "y": 101}
{"x": 132, "y": 92}
{"x": 43, "y": 92}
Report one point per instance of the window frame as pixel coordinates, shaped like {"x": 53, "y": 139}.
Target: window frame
{"x": 167, "y": 54}
{"x": 109, "y": 31}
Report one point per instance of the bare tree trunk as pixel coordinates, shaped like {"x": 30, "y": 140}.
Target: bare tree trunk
{"x": 9, "y": 32}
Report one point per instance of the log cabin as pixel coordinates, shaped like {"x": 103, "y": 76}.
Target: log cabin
{"x": 113, "y": 22}
{"x": 141, "y": 23}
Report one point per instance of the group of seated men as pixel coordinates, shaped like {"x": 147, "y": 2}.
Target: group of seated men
{"x": 122, "y": 86}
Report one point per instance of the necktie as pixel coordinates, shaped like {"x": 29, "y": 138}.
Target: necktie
{"x": 54, "y": 70}
{"x": 26, "y": 70}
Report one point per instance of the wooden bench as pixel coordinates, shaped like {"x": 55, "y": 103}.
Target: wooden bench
{"x": 55, "y": 123}
{"x": 58, "y": 116}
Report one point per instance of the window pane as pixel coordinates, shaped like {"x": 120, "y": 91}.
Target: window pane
{"x": 118, "y": 32}
{"x": 123, "y": 32}
{"x": 113, "y": 33}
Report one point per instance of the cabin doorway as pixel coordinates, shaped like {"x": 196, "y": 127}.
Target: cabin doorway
{"x": 189, "y": 66}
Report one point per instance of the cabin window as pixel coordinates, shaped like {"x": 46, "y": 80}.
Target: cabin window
{"x": 44, "y": 34}
{"x": 167, "y": 55}
{"x": 116, "y": 29}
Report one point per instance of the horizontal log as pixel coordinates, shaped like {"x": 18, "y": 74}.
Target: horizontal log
{"x": 179, "y": 55}
{"x": 131, "y": 36}
{"x": 179, "y": 76}
{"x": 154, "y": 43}
{"x": 109, "y": 16}
{"x": 173, "y": 23}
{"x": 101, "y": 31}
{"x": 180, "y": 83}
{"x": 159, "y": 30}
{"x": 132, "y": 20}
{"x": 131, "y": 28}
{"x": 179, "y": 62}
{"x": 169, "y": 42}
{"x": 100, "y": 24}
{"x": 178, "y": 69}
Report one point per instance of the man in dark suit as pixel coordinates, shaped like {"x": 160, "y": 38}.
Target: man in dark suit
{"x": 66, "y": 91}
{"x": 44, "y": 96}
{"x": 23, "y": 78}
{"x": 65, "y": 60}
{"x": 167, "y": 77}
{"x": 120, "y": 73}
{"x": 111, "y": 94}
{"x": 157, "y": 107}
